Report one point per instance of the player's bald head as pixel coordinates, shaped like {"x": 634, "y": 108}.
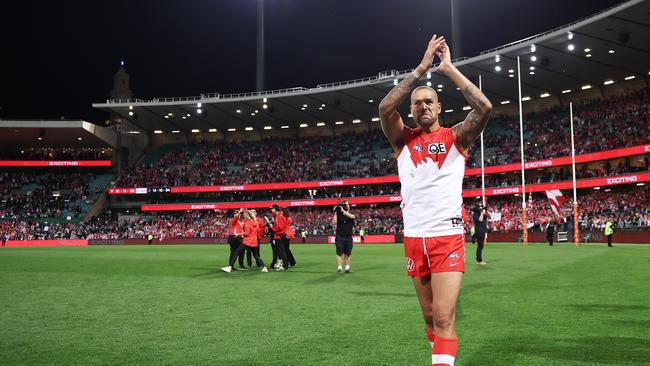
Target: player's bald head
{"x": 424, "y": 92}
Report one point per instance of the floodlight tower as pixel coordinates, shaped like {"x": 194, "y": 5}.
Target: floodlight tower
{"x": 260, "y": 45}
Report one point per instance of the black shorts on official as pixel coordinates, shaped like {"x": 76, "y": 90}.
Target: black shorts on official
{"x": 343, "y": 245}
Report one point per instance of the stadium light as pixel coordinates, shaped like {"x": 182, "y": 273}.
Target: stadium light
{"x": 371, "y": 101}
{"x": 265, "y": 106}
{"x": 170, "y": 114}
{"x": 505, "y": 102}
{"x": 588, "y": 55}
{"x": 320, "y": 124}
{"x": 198, "y": 105}
{"x": 533, "y": 48}
{"x": 532, "y": 72}
{"x": 130, "y": 107}
{"x": 303, "y": 108}
{"x": 569, "y": 36}
{"x": 267, "y": 127}
{"x": 394, "y": 81}
{"x": 304, "y": 105}
{"x": 544, "y": 95}
{"x": 176, "y": 131}
{"x": 264, "y": 100}
{"x": 585, "y": 87}
{"x": 596, "y": 188}
{"x": 252, "y": 113}
{"x": 631, "y": 77}
{"x": 232, "y": 129}
{"x": 320, "y": 108}
{"x": 40, "y": 138}
{"x": 248, "y": 128}
{"x": 212, "y": 130}
{"x": 284, "y": 127}
{"x": 439, "y": 85}
{"x": 608, "y": 82}
{"x": 439, "y": 90}
{"x": 79, "y": 138}
{"x": 166, "y": 117}
{"x": 303, "y": 125}
{"x": 511, "y": 75}
{"x": 566, "y": 91}
{"x": 428, "y": 83}
{"x": 497, "y": 58}
{"x": 356, "y": 120}
{"x": 448, "y": 110}
{"x": 610, "y": 51}
{"x": 338, "y": 122}
{"x": 533, "y": 58}
{"x": 323, "y": 105}
{"x": 157, "y": 131}
{"x": 375, "y": 119}
{"x": 130, "y": 113}
{"x": 410, "y": 115}
{"x": 531, "y": 68}
{"x": 497, "y": 68}
{"x": 511, "y": 71}
{"x": 194, "y": 130}
{"x": 525, "y": 99}
{"x": 467, "y": 108}
{"x": 587, "y": 50}
{"x": 428, "y": 75}
{"x": 184, "y": 117}
{"x": 238, "y": 111}
{"x": 640, "y": 184}
{"x": 570, "y": 47}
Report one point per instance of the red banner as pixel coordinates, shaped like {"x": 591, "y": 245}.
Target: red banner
{"x": 47, "y": 243}
{"x": 55, "y": 163}
{"x": 583, "y": 183}
{"x": 566, "y": 160}
{"x": 368, "y": 239}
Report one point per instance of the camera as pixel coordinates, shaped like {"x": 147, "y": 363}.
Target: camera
{"x": 338, "y": 207}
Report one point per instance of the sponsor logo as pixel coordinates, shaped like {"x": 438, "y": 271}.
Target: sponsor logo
{"x": 63, "y": 163}
{"x": 454, "y": 264}
{"x": 232, "y": 188}
{"x": 437, "y": 148}
{"x": 203, "y": 207}
{"x": 538, "y": 164}
{"x": 456, "y": 221}
{"x": 628, "y": 179}
{"x": 330, "y": 183}
{"x": 410, "y": 264}
{"x": 395, "y": 198}
{"x": 417, "y": 148}
{"x": 646, "y": 148}
{"x": 302, "y": 203}
{"x": 454, "y": 255}
{"x": 505, "y": 190}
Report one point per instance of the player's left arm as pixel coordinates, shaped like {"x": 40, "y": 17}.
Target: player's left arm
{"x": 467, "y": 131}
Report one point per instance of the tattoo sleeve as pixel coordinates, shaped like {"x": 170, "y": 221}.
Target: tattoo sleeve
{"x": 474, "y": 123}
{"x": 391, "y": 122}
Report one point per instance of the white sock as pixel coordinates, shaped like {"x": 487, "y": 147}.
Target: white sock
{"x": 339, "y": 268}
{"x": 347, "y": 267}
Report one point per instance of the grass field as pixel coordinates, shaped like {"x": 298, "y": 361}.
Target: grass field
{"x": 169, "y": 305}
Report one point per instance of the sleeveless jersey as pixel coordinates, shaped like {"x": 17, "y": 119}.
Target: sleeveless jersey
{"x": 431, "y": 169}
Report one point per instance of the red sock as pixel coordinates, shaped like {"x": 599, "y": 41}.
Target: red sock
{"x": 430, "y": 336}
{"x": 444, "y": 351}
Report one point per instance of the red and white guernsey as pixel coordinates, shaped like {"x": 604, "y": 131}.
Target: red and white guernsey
{"x": 431, "y": 169}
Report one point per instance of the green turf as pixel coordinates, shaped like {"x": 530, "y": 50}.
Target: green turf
{"x": 169, "y": 305}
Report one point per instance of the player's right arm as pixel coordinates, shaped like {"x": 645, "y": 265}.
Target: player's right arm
{"x": 391, "y": 121}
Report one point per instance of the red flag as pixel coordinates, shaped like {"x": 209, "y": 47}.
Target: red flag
{"x": 555, "y": 199}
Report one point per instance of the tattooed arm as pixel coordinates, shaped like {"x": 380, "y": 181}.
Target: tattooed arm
{"x": 391, "y": 121}
{"x": 467, "y": 131}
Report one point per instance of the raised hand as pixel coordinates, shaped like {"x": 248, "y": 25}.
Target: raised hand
{"x": 444, "y": 54}
{"x": 432, "y": 49}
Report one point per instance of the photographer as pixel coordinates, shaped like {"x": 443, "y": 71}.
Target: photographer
{"x": 344, "y": 222}
{"x": 480, "y": 217}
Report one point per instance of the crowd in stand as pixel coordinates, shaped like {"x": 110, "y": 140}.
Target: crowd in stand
{"x": 39, "y": 153}
{"x": 628, "y": 210}
{"x": 29, "y": 195}
{"x": 599, "y": 125}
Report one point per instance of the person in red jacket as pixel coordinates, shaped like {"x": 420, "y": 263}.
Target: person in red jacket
{"x": 260, "y": 231}
{"x": 235, "y": 235}
{"x": 288, "y": 234}
{"x": 278, "y": 228}
{"x": 250, "y": 240}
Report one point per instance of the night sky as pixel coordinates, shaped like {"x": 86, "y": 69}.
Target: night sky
{"x": 59, "y": 56}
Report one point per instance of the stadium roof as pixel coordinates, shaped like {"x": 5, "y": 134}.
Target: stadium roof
{"x": 72, "y": 134}
{"x": 609, "y": 47}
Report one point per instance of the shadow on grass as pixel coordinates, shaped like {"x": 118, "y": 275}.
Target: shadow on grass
{"x": 566, "y": 351}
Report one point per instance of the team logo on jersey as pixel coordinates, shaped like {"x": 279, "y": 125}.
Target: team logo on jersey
{"x": 456, "y": 221}
{"x": 437, "y": 148}
{"x": 454, "y": 255}
{"x": 410, "y": 264}
{"x": 417, "y": 148}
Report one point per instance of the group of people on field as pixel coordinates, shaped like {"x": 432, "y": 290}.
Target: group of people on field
{"x": 245, "y": 234}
